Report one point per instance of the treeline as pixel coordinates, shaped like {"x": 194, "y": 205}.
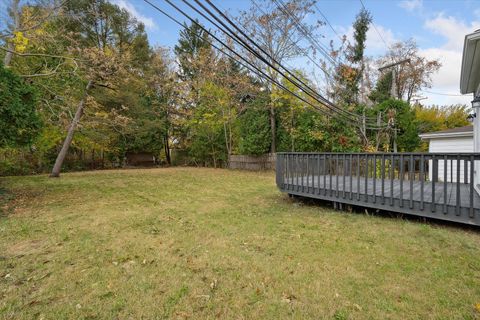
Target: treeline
{"x": 86, "y": 69}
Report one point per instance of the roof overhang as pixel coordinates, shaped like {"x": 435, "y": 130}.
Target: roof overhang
{"x": 427, "y": 136}
{"x": 470, "y": 75}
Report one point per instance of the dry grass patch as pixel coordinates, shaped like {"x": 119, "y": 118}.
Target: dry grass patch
{"x": 187, "y": 243}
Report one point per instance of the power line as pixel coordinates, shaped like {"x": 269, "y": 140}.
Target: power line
{"x": 445, "y": 94}
{"x": 352, "y": 121}
{"x": 274, "y": 62}
{"x": 328, "y": 22}
{"x": 303, "y": 30}
{"x": 329, "y": 76}
{"x": 248, "y": 64}
{"x": 375, "y": 27}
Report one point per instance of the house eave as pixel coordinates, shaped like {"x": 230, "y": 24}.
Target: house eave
{"x": 470, "y": 72}
{"x": 428, "y": 136}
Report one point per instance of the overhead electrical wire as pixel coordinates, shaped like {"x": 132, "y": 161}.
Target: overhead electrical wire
{"x": 445, "y": 94}
{"x": 303, "y": 30}
{"x": 248, "y": 65}
{"x": 319, "y": 98}
{"x": 375, "y": 27}
{"x": 235, "y": 37}
{"x": 295, "y": 81}
{"x": 328, "y": 22}
{"x": 302, "y": 50}
{"x": 258, "y": 71}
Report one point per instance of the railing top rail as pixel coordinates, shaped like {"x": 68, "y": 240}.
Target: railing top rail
{"x": 469, "y": 154}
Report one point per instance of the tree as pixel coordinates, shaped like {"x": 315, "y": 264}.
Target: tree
{"x": 19, "y": 120}
{"x": 382, "y": 88}
{"x": 279, "y": 30}
{"x": 349, "y": 74}
{"x": 112, "y": 47}
{"x": 405, "y": 122}
{"x": 254, "y": 128}
{"x": 192, "y": 41}
{"x": 410, "y": 77}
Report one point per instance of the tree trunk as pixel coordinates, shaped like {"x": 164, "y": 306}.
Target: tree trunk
{"x": 71, "y": 130}
{"x": 273, "y": 130}
{"x": 167, "y": 150}
{"x": 16, "y": 25}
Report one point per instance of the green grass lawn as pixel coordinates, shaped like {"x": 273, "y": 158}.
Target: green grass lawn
{"x": 188, "y": 243}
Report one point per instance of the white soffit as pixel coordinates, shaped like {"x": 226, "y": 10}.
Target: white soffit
{"x": 470, "y": 74}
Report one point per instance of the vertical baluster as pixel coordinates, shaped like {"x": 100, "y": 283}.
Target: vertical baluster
{"x": 472, "y": 169}
{"x": 336, "y": 174}
{"x": 434, "y": 176}
{"x": 358, "y": 177}
{"x": 392, "y": 177}
{"x": 422, "y": 179}
{"x": 411, "y": 177}
{"x": 344, "y": 174}
{"x": 319, "y": 166}
{"x": 366, "y": 177}
{"x": 351, "y": 176}
{"x": 445, "y": 178}
{"x": 401, "y": 180}
{"x": 465, "y": 170}
{"x": 382, "y": 167}
{"x": 457, "y": 210}
{"x": 331, "y": 174}
{"x": 451, "y": 170}
{"x": 374, "y": 178}
{"x": 325, "y": 174}
{"x": 297, "y": 170}
{"x": 303, "y": 172}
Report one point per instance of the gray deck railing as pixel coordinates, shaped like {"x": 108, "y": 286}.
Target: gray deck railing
{"x": 420, "y": 182}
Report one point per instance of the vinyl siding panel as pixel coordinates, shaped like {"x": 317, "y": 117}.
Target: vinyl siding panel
{"x": 454, "y": 145}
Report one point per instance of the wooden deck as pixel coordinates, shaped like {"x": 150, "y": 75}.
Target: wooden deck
{"x": 311, "y": 176}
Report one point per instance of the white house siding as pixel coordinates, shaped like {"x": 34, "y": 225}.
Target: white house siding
{"x": 453, "y": 145}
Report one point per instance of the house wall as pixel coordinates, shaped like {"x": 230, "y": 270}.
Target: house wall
{"x": 454, "y": 145}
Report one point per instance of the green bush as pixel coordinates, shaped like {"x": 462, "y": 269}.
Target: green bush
{"x": 19, "y": 120}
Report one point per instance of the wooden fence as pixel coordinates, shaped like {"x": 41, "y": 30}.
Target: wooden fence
{"x": 246, "y": 162}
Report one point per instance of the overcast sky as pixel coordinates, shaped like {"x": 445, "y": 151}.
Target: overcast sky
{"x": 439, "y": 27}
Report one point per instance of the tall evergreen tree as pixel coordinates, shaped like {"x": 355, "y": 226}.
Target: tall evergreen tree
{"x": 193, "y": 39}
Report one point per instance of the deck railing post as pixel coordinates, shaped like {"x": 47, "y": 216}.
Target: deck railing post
{"x": 457, "y": 209}
{"x": 374, "y": 178}
{"x": 422, "y": 178}
{"x": 366, "y": 177}
{"x": 383, "y": 178}
{"x": 325, "y": 174}
{"x": 344, "y": 174}
{"x": 472, "y": 171}
{"x": 411, "y": 177}
{"x": 336, "y": 174}
{"x": 434, "y": 175}
{"x": 392, "y": 177}
{"x": 358, "y": 177}
{"x": 330, "y": 174}
{"x": 351, "y": 176}
{"x": 445, "y": 179}
{"x": 401, "y": 180}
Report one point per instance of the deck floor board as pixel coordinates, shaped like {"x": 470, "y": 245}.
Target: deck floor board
{"x": 317, "y": 181}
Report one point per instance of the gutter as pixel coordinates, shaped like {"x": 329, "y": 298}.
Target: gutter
{"x": 427, "y": 136}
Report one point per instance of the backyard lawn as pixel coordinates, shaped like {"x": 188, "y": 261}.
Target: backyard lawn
{"x": 187, "y": 243}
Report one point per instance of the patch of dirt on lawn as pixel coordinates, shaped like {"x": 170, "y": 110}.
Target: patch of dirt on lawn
{"x": 26, "y": 247}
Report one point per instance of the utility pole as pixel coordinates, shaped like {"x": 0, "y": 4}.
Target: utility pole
{"x": 393, "y": 90}
{"x": 416, "y": 99}
{"x": 394, "y": 93}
